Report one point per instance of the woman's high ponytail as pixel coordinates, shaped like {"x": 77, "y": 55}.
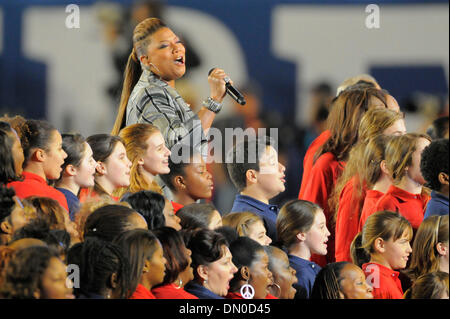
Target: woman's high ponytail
{"x": 132, "y": 74}
{"x": 133, "y": 68}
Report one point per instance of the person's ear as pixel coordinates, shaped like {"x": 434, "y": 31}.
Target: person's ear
{"x": 245, "y": 273}
{"x": 147, "y": 266}
{"x": 6, "y": 227}
{"x": 39, "y": 155}
{"x": 101, "y": 168}
{"x": 70, "y": 170}
{"x": 301, "y": 237}
{"x": 442, "y": 249}
{"x": 144, "y": 60}
{"x": 37, "y": 294}
{"x": 113, "y": 281}
{"x": 202, "y": 272}
{"x": 383, "y": 167}
{"x": 443, "y": 178}
{"x": 251, "y": 177}
{"x": 141, "y": 161}
{"x": 179, "y": 183}
{"x": 379, "y": 245}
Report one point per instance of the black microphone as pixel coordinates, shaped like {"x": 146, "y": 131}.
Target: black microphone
{"x": 231, "y": 90}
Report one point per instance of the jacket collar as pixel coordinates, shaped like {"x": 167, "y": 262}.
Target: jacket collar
{"x": 32, "y": 176}
{"x": 402, "y": 194}
{"x": 383, "y": 270}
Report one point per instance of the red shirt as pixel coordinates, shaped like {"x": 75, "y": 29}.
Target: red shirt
{"x": 308, "y": 160}
{"x": 35, "y": 185}
{"x": 142, "y": 293}
{"x": 88, "y": 193}
{"x": 170, "y": 291}
{"x": 411, "y": 206}
{"x": 176, "y": 206}
{"x": 384, "y": 281}
{"x": 322, "y": 180}
{"x": 237, "y": 295}
{"x": 347, "y": 219}
{"x": 372, "y": 198}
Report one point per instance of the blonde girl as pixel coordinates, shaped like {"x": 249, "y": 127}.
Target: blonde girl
{"x": 430, "y": 248}
{"x": 248, "y": 224}
{"x": 382, "y": 248}
{"x": 147, "y": 151}
{"x": 348, "y": 196}
{"x": 405, "y": 195}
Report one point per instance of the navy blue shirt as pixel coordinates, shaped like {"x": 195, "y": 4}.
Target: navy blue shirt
{"x": 437, "y": 205}
{"x": 72, "y": 201}
{"x": 267, "y": 212}
{"x": 200, "y": 291}
{"x": 306, "y": 275}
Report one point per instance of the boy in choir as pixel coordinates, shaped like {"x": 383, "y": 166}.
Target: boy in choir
{"x": 255, "y": 171}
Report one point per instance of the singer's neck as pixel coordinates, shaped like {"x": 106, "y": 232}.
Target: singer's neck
{"x": 170, "y": 82}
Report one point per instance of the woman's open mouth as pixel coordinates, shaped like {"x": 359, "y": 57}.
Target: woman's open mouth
{"x": 179, "y": 61}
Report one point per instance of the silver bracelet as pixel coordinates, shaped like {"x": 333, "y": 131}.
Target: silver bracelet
{"x": 212, "y": 105}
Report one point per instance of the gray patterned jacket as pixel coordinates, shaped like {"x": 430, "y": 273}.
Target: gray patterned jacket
{"x": 156, "y": 102}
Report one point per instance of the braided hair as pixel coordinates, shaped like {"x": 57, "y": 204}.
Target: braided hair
{"x": 327, "y": 283}
{"x": 98, "y": 261}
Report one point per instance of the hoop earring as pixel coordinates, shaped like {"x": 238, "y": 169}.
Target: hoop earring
{"x": 180, "y": 284}
{"x": 247, "y": 291}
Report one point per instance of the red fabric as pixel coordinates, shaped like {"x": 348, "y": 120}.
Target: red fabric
{"x": 35, "y": 185}
{"x": 88, "y": 193}
{"x": 411, "y": 206}
{"x": 233, "y": 295}
{"x": 384, "y": 281}
{"x": 170, "y": 291}
{"x": 322, "y": 180}
{"x": 372, "y": 198}
{"x": 176, "y": 206}
{"x": 142, "y": 293}
{"x": 308, "y": 160}
{"x": 347, "y": 219}
{"x": 237, "y": 295}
